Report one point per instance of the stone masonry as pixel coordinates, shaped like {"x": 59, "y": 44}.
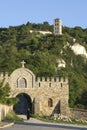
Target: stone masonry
{"x": 48, "y": 95}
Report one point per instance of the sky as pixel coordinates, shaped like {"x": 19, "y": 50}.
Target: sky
{"x": 17, "y": 12}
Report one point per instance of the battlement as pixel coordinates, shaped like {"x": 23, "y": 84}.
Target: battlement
{"x": 52, "y": 79}
{"x": 3, "y": 75}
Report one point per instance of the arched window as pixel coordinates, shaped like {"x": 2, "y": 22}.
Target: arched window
{"x": 22, "y": 83}
{"x": 50, "y": 102}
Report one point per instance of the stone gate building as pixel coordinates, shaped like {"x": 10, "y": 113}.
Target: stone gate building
{"x": 44, "y": 96}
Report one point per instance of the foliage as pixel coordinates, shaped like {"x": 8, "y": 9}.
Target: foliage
{"x": 40, "y": 52}
{"x": 5, "y": 93}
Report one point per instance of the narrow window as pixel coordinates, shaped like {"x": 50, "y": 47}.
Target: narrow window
{"x": 61, "y": 85}
{"x": 50, "y": 102}
{"x": 49, "y": 84}
{"x": 39, "y": 84}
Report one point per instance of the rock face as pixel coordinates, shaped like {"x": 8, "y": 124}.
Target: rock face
{"x": 44, "y": 96}
{"x": 61, "y": 63}
{"x": 79, "y": 49}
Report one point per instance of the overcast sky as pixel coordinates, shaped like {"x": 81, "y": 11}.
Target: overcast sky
{"x": 17, "y": 12}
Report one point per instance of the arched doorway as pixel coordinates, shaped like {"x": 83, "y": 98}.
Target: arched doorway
{"x": 23, "y": 104}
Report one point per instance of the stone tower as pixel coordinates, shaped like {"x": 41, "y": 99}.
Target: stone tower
{"x": 57, "y": 26}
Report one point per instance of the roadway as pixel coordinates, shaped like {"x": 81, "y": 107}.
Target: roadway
{"x": 34, "y": 124}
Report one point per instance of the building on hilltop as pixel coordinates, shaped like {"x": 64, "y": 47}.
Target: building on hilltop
{"x": 57, "y": 27}
{"x": 44, "y": 96}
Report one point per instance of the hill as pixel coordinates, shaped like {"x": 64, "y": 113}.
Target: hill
{"x": 41, "y": 52}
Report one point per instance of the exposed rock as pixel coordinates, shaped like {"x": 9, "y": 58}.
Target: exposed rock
{"x": 79, "y": 49}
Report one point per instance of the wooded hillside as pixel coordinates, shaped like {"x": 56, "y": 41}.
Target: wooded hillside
{"x": 40, "y": 52}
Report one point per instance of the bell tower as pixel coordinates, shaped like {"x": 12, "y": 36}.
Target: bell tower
{"x": 57, "y": 27}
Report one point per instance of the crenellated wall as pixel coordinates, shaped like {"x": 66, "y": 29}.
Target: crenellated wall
{"x": 52, "y": 79}
{"x": 55, "y": 88}
{"x": 40, "y": 90}
{"x": 3, "y": 75}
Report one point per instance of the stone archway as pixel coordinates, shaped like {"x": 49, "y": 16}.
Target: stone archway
{"x": 23, "y": 104}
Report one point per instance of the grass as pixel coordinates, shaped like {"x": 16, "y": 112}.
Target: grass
{"x": 11, "y": 116}
{"x": 50, "y": 119}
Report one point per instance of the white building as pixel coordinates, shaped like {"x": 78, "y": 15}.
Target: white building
{"x": 57, "y": 27}
{"x": 41, "y": 32}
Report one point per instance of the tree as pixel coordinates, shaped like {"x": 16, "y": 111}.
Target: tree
{"x": 5, "y": 93}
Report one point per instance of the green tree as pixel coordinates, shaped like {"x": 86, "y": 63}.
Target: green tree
{"x": 5, "y": 93}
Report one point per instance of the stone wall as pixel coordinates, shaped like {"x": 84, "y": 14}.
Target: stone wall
{"x": 40, "y": 90}
{"x": 56, "y": 89}
{"x": 78, "y": 114}
{"x": 3, "y": 111}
